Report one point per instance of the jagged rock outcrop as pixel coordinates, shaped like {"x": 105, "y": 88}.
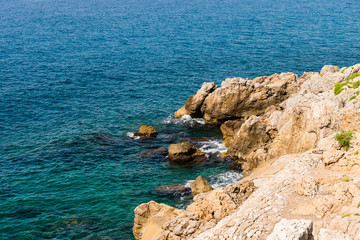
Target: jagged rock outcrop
{"x": 299, "y": 122}
{"x": 295, "y": 169}
{"x": 184, "y": 152}
{"x": 146, "y": 132}
{"x": 200, "y": 185}
{"x": 206, "y": 210}
{"x": 229, "y": 129}
{"x": 150, "y": 217}
{"x": 240, "y": 98}
{"x": 194, "y": 102}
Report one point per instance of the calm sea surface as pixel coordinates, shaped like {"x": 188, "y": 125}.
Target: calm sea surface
{"x": 76, "y": 77}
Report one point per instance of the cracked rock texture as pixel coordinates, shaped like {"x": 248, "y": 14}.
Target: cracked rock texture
{"x": 299, "y": 182}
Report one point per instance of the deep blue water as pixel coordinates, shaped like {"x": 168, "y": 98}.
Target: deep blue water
{"x": 76, "y": 76}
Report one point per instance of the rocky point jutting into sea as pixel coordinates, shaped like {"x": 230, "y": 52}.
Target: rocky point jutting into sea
{"x": 297, "y": 140}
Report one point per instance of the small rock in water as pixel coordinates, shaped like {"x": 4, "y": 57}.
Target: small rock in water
{"x": 146, "y": 132}
{"x": 200, "y": 185}
{"x": 185, "y": 152}
{"x": 175, "y": 189}
{"x": 154, "y": 152}
{"x": 174, "y": 135}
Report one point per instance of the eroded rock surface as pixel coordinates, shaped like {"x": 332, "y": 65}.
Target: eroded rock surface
{"x": 240, "y": 98}
{"x": 295, "y": 169}
{"x": 292, "y": 230}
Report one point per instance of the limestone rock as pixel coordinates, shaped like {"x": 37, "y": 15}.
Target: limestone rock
{"x": 200, "y": 185}
{"x": 253, "y": 160}
{"x": 207, "y": 209}
{"x": 329, "y": 69}
{"x": 185, "y": 152}
{"x": 146, "y": 132}
{"x": 326, "y": 234}
{"x": 229, "y": 129}
{"x": 251, "y": 136}
{"x": 307, "y": 186}
{"x": 194, "y": 102}
{"x": 241, "y": 98}
{"x": 149, "y": 218}
{"x": 292, "y": 230}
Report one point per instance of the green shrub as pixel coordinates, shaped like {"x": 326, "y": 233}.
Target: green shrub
{"x": 354, "y": 75}
{"x": 339, "y": 87}
{"x": 347, "y": 215}
{"x": 342, "y": 71}
{"x": 344, "y": 138}
{"x": 355, "y": 85}
{"x": 356, "y": 153}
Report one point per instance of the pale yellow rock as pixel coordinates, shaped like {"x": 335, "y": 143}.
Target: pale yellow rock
{"x": 149, "y": 219}
{"x": 200, "y": 185}
{"x": 181, "y": 112}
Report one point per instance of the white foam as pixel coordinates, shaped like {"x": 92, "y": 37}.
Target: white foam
{"x": 213, "y": 147}
{"x": 223, "y": 179}
{"x": 184, "y": 120}
{"x": 131, "y": 135}
{"x": 187, "y": 184}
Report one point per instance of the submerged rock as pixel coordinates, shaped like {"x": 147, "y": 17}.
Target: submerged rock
{"x": 175, "y": 189}
{"x": 146, "y": 132}
{"x": 185, "y": 152}
{"x": 153, "y": 152}
{"x": 200, "y": 185}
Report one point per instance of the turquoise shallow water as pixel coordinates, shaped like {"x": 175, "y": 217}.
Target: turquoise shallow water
{"x": 77, "y": 76}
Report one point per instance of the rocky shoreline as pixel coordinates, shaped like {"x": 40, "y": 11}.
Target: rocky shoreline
{"x": 301, "y": 168}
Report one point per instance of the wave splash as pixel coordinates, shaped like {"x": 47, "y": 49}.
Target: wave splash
{"x": 184, "y": 120}
{"x": 213, "y": 147}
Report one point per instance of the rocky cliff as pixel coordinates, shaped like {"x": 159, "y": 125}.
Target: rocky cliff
{"x": 298, "y": 143}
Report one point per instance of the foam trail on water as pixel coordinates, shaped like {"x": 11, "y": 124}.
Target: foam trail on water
{"x": 184, "y": 120}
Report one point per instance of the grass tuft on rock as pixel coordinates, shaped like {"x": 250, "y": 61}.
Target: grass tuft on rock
{"x": 344, "y": 139}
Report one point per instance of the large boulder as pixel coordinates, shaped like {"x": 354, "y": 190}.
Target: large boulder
{"x": 292, "y": 230}
{"x": 146, "y": 132}
{"x": 194, "y": 102}
{"x": 200, "y": 185}
{"x": 326, "y": 234}
{"x": 241, "y": 98}
{"x": 184, "y": 152}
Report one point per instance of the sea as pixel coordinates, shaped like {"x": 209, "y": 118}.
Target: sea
{"x": 79, "y": 77}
